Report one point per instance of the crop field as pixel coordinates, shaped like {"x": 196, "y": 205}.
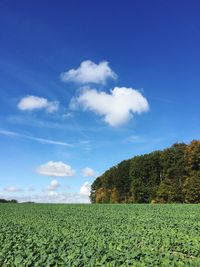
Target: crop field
{"x": 99, "y": 235}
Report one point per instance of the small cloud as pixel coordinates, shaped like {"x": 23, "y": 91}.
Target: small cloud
{"x": 67, "y": 115}
{"x": 52, "y": 194}
{"x": 34, "y": 103}
{"x": 117, "y": 108}
{"x": 12, "y": 189}
{"x": 53, "y": 185}
{"x": 57, "y": 169}
{"x": 89, "y": 72}
{"x": 85, "y": 189}
{"x": 88, "y": 172}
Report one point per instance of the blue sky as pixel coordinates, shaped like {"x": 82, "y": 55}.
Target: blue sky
{"x": 86, "y": 84}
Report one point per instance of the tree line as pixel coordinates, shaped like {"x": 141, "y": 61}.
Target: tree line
{"x": 2, "y": 200}
{"x": 168, "y": 176}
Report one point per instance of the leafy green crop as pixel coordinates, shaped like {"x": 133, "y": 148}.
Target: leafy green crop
{"x": 99, "y": 235}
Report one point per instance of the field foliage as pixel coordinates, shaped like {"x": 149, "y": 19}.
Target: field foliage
{"x": 99, "y": 235}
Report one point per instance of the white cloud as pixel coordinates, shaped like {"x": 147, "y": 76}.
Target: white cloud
{"x": 31, "y": 189}
{"x": 37, "y": 139}
{"x": 85, "y": 189}
{"x": 88, "y": 172}
{"x": 47, "y": 196}
{"x": 52, "y": 194}
{"x": 57, "y": 169}
{"x": 50, "y": 197}
{"x": 117, "y": 108}
{"x": 12, "y": 189}
{"x": 56, "y": 197}
{"x": 89, "y": 72}
{"x": 53, "y": 185}
{"x": 34, "y": 102}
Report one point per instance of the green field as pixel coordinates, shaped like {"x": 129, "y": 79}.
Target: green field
{"x": 99, "y": 235}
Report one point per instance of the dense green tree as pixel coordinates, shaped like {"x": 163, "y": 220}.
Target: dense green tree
{"x": 2, "y": 200}
{"x": 145, "y": 175}
{"x": 191, "y": 188}
{"x": 115, "y": 197}
{"x": 171, "y": 175}
{"x": 193, "y": 156}
{"x": 173, "y": 172}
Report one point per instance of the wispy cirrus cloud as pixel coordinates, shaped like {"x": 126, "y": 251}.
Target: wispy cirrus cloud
{"x": 37, "y": 139}
{"x": 89, "y": 72}
{"x": 134, "y": 139}
{"x": 13, "y": 189}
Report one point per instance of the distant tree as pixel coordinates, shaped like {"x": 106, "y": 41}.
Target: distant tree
{"x": 3, "y": 200}
{"x": 8, "y": 201}
{"x": 14, "y": 201}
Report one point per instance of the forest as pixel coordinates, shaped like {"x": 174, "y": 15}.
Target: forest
{"x": 168, "y": 176}
{"x": 2, "y": 200}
